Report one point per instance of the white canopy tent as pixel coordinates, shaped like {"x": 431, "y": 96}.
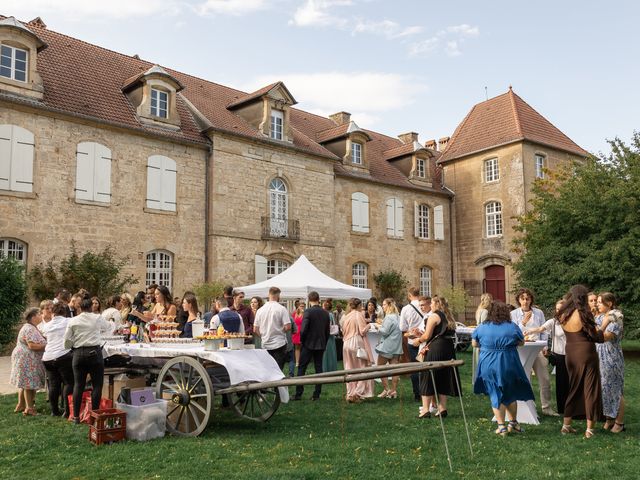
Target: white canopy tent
{"x": 301, "y": 278}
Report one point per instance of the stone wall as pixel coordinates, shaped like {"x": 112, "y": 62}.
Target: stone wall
{"x": 381, "y": 252}
{"x": 51, "y": 218}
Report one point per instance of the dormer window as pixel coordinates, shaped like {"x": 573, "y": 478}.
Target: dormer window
{"x": 277, "y": 124}
{"x": 421, "y": 167}
{"x": 159, "y": 103}
{"x": 13, "y": 63}
{"x": 356, "y": 153}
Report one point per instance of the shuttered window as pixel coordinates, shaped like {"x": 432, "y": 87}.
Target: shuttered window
{"x": 395, "y": 226}
{"x": 359, "y": 212}
{"x": 161, "y": 183}
{"x": 425, "y": 281}
{"x": 438, "y": 222}
{"x": 16, "y": 158}
{"x": 93, "y": 172}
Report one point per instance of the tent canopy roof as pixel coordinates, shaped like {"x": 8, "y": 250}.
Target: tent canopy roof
{"x": 301, "y": 278}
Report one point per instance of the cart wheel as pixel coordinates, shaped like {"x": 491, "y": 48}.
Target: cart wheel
{"x": 256, "y": 405}
{"x": 186, "y": 384}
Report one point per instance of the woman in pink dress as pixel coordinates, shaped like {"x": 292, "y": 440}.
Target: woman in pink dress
{"x": 27, "y": 369}
{"x": 295, "y": 338}
{"x": 354, "y": 333}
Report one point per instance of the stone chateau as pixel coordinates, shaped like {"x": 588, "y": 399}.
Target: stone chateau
{"x": 194, "y": 181}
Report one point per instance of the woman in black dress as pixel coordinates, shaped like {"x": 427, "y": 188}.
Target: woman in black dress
{"x": 439, "y": 335}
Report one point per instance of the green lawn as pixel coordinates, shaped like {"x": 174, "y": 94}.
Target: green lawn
{"x": 377, "y": 439}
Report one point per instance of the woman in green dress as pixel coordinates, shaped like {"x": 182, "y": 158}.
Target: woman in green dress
{"x": 330, "y": 358}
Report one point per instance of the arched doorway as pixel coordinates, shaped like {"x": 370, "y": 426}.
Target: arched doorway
{"x": 494, "y": 282}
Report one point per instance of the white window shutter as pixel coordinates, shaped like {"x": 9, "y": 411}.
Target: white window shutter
{"x": 6, "y": 136}
{"x": 22, "y": 150}
{"x": 261, "y": 268}
{"x": 85, "y": 154}
{"x": 356, "y": 223}
{"x": 154, "y": 182}
{"x": 416, "y": 222}
{"x": 390, "y": 216}
{"x": 399, "y": 219}
{"x": 169, "y": 178}
{"x": 364, "y": 213}
{"x": 438, "y": 223}
{"x": 102, "y": 174}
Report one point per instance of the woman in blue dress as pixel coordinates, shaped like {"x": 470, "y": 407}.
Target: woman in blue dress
{"x": 610, "y": 322}
{"x": 500, "y": 374}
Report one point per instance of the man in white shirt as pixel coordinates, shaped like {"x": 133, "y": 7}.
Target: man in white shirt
{"x": 527, "y": 317}
{"x": 410, "y": 323}
{"x": 271, "y": 324}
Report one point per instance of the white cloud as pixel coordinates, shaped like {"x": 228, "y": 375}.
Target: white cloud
{"x": 452, "y": 49}
{"x": 464, "y": 29}
{"x": 450, "y": 38}
{"x": 424, "y": 47}
{"x": 388, "y": 28}
{"x": 317, "y": 13}
{"x": 80, "y": 9}
{"x": 231, "y": 7}
{"x": 365, "y": 94}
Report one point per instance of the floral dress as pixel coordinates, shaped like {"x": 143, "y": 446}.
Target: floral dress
{"x": 611, "y": 365}
{"x": 27, "y": 370}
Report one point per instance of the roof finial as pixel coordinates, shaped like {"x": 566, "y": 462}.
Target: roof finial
{"x": 510, "y": 88}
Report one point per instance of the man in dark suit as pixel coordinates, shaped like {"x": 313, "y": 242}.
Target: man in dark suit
{"x": 313, "y": 337}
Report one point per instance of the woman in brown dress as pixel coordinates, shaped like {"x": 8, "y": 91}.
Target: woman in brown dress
{"x": 581, "y": 358}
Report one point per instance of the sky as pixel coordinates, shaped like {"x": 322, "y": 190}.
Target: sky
{"x": 395, "y": 65}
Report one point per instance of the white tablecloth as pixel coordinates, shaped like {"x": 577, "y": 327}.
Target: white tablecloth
{"x": 246, "y": 365}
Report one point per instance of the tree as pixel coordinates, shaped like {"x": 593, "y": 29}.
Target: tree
{"x": 390, "y": 284}
{"x": 13, "y": 298}
{"x": 457, "y": 298}
{"x": 584, "y": 228}
{"x": 206, "y": 293}
{"x": 99, "y": 273}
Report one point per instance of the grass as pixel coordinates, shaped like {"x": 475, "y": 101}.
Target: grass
{"x": 377, "y": 439}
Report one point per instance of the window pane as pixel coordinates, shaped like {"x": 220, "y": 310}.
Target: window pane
{"x": 5, "y": 61}
{"x": 21, "y": 55}
{"x": 5, "y": 72}
{"x": 20, "y": 76}
{"x": 6, "y": 51}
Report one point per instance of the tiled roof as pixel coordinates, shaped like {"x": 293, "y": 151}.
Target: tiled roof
{"x": 338, "y": 132}
{"x": 501, "y": 120}
{"x": 259, "y": 93}
{"x": 403, "y": 150}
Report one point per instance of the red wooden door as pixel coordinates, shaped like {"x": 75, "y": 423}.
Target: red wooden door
{"x": 494, "y": 282}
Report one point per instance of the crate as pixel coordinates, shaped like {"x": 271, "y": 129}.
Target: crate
{"x": 145, "y": 422}
{"x": 108, "y": 419}
{"x": 100, "y": 437}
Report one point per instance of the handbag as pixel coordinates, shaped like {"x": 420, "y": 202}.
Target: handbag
{"x": 334, "y": 330}
{"x": 362, "y": 354}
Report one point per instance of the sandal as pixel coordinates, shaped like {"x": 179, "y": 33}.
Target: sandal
{"x": 424, "y": 413}
{"x": 514, "y": 426}
{"x": 18, "y": 409}
{"x": 392, "y": 394}
{"x": 589, "y": 432}
{"x": 30, "y": 412}
{"x": 608, "y": 424}
{"x": 502, "y": 430}
{"x": 441, "y": 413}
{"x": 621, "y": 428}
{"x": 567, "y": 429}
{"x": 384, "y": 394}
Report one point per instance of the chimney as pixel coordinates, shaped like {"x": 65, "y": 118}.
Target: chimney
{"x": 409, "y": 137}
{"x": 442, "y": 143}
{"x": 340, "y": 118}
{"x": 431, "y": 144}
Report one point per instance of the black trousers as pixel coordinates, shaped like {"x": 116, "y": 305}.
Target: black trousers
{"x": 306, "y": 355}
{"x": 60, "y": 380}
{"x": 415, "y": 377}
{"x": 280, "y": 355}
{"x": 87, "y": 360}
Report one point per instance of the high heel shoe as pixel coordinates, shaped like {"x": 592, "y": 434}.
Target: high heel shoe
{"x": 514, "y": 426}
{"x": 441, "y": 413}
{"x": 589, "y": 432}
{"x": 392, "y": 394}
{"x": 502, "y": 430}
{"x": 424, "y": 413}
{"x": 608, "y": 424}
{"x": 621, "y": 429}
{"x": 567, "y": 429}
{"x": 384, "y": 394}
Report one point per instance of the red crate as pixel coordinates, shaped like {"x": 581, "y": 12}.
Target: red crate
{"x": 108, "y": 419}
{"x": 100, "y": 437}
